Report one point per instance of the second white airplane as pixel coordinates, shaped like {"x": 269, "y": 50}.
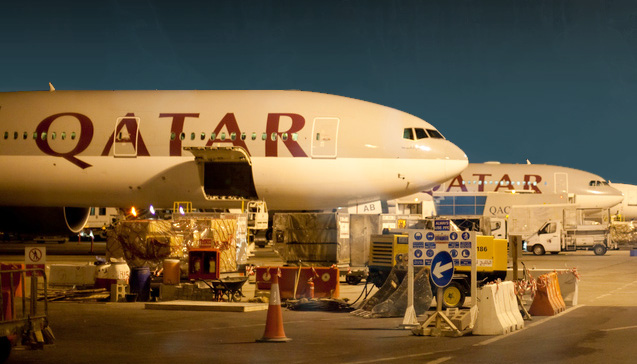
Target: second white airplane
{"x": 566, "y": 185}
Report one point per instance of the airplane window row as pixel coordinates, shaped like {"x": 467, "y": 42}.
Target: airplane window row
{"x": 44, "y": 135}
{"x": 233, "y": 136}
{"x": 598, "y": 183}
{"x": 223, "y": 136}
{"x": 503, "y": 183}
{"x": 420, "y": 133}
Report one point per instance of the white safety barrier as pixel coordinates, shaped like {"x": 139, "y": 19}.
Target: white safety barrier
{"x": 498, "y": 311}
{"x": 69, "y": 274}
{"x": 569, "y": 286}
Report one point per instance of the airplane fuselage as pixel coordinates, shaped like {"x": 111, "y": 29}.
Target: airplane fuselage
{"x": 492, "y": 188}
{"x": 295, "y": 150}
{"x": 627, "y": 209}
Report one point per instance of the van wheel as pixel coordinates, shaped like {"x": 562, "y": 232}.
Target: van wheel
{"x": 453, "y": 295}
{"x": 353, "y": 279}
{"x": 599, "y": 249}
{"x": 538, "y": 249}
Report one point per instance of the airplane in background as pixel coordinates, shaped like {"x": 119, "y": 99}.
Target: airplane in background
{"x": 465, "y": 194}
{"x": 62, "y": 152}
{"x": 627, "y": 209}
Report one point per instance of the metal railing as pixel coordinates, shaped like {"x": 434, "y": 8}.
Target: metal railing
{"x": 29, "y": 304}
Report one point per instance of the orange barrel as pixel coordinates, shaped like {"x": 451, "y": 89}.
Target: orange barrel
{"x": 7, "y": 279}
{"x": 172, "y": 272}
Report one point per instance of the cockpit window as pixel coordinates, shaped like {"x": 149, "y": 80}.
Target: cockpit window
{"x": 435, "y": 134}
{"x": 421, "y": 133}
{"x": 408, "y": 133}
{"x": 598, "y": 183}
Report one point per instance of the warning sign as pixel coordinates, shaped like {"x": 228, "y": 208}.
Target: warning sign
{"x": 458, "y": 244}
{"x": 34, "y": 257}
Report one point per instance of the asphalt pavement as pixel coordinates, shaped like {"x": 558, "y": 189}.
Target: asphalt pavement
{"x": 601, "y": 328}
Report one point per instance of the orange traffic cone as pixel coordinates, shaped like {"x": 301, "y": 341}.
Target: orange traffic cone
{"x": 274, "y": 322}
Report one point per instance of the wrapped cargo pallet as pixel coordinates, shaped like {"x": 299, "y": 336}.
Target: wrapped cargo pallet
{"x": 324, "y": 238}
{"x": 149, "y": 242}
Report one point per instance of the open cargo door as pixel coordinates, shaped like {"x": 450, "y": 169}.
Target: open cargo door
{"x": 226, "y": 172}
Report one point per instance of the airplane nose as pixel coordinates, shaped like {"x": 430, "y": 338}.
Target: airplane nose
{"x": 614, "y": 200}
{"x": 456, "y": 161}
{"x": 614, "y": 196}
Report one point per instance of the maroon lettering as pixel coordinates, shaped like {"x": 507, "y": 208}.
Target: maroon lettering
{"x": 85, "y": 138}
{"x": 230, "y": 122}
{"x": 457, "y": 182}
{"x": 131, "y": 126}
{"x": 481, "y": 181}
{"x": 528, "y": 184}
{"x": 505, "y": 181}
{"x": 272, "y": 127}
{"x": 176, "y": 129}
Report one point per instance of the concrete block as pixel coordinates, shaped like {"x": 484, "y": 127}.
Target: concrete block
{"x": 72, "y": 274}
{"x": 119, "y": 291}
{"x": 168, "y": 292}
{"x": 460, "y": 318}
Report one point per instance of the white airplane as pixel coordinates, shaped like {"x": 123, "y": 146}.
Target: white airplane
{"x": 557, "y": 185}
{"x": 627, "y": 209}
{"x": 62, "y": 152}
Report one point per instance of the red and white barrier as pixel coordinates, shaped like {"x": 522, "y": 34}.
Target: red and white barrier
{"x": 293, "y": 282}
{"x": 548, "y": 299}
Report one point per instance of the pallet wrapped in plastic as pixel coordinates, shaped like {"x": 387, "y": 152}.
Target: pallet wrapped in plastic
{"x": 149, "y": 242}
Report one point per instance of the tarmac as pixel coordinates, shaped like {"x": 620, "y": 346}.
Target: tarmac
{"x": 599, "y": 329}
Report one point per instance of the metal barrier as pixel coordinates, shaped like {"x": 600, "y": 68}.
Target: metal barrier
{"x": 293, "y": 281}
{"x": 29, "y": 321}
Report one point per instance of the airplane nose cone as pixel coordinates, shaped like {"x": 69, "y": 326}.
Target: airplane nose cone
{"x": 456, "y": 161}
{"x": 615, "y": 200}
{"x": 606, "y": 198}
{"x": 613, "y": 196}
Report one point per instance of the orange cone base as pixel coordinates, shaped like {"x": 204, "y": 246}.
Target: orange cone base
{"x": 273, "y": 340}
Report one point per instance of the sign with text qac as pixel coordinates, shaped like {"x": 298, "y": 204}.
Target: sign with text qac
{"x": 424, "y": 244}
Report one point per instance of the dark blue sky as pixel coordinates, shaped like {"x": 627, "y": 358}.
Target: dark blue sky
{"x": 554, "y": 81}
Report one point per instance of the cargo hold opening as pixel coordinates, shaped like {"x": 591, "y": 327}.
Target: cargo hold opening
{"x": 226, "y": 172}
{"x": 229, "y": 179}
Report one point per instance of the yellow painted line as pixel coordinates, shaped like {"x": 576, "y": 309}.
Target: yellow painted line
{"x": 500, "y": 337}
{"x": 440, "y": 360}
{"x": 403, "y": 357}
{"x": 620, "y": 328}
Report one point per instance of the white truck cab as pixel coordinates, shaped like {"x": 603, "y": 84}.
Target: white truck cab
{"x": 549, "y": 238}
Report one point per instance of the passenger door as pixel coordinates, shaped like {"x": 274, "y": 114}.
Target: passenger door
{"x": 324, "y": 137}
{"x": 126, "y": 137}
{"x": 561, "y": 183}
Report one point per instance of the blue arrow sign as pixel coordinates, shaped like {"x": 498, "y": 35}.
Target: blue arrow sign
{"x": 442, "y": 269}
